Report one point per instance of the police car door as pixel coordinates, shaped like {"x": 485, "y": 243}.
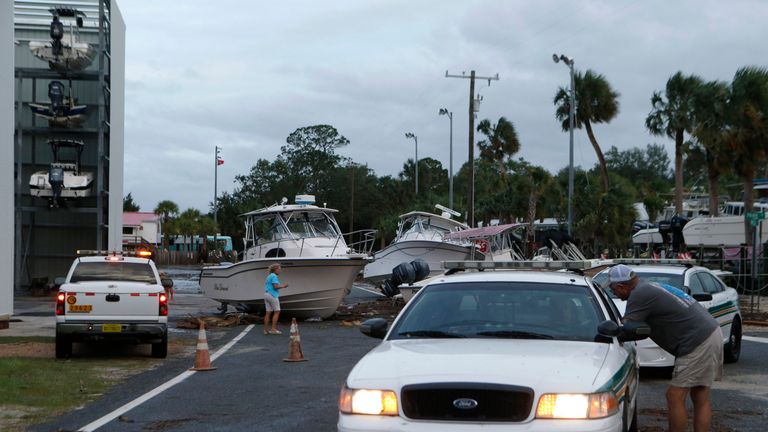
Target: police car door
{"x": 724, "y": 301}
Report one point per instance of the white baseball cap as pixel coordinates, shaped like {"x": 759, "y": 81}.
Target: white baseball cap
{"x": 620, "y": 273}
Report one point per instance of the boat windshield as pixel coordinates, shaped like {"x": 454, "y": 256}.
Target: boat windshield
{"x": 421, "y": 224}
{"x": 311, "y": 224}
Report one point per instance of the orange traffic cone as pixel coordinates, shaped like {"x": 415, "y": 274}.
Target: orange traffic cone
{"x": 294, "y": 346}
{"x": 202, "y": 359}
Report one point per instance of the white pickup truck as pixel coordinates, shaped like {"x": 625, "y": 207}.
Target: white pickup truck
{"x": 112, "y": 297}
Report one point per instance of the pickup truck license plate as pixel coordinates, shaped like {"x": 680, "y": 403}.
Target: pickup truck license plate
{"x": 80, "y": 308}
{"x": 111, "y": 328}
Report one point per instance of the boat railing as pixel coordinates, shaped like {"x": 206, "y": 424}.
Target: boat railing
{"x": 360, "y": 241}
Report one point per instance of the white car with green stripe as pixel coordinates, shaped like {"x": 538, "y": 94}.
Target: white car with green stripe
{"x": 498, "y": 350}
{"x": 702, "y": 284}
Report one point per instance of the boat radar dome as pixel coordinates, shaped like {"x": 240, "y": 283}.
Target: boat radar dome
{"x": 305, "y": 199}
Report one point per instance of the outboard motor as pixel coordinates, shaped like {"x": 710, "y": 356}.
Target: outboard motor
{"x": 405, "y": 273}
{"x": 57, "y": 33}
{"x": 421, "y": 268}
{"x": 677, "y": 222}
{"x": 665, "y": 229}
{"x": 56, "y": 95}
{"x": 56, "y": 180}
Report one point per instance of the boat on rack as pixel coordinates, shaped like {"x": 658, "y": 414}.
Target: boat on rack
{"x": 64, "y": 179}
{"x": 422, "y": 235}
{"x": 64, "y": 53}
{"x": 318, "y": 263}
{"x": 63, "y": 111}
{"x": 726, "y": 230}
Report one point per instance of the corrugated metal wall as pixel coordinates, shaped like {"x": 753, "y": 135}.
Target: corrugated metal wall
{"x": 49, "y": 237}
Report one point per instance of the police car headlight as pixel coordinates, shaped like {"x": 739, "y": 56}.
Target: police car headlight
{"x": 372, "y": 402}
{"x": 577, "y": 406}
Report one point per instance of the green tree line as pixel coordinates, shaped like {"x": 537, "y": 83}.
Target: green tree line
{"x": 720, "y": 131}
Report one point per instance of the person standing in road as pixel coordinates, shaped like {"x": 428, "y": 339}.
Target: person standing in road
{"x": 680, "y": 325}
{"x": 271, "y": 300}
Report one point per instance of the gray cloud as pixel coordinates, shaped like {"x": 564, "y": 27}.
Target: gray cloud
{"x": 244, "y": 78}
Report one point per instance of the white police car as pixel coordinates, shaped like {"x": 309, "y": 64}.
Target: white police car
{"x": 498, "y": 350}
{"x": 720, "y": 300}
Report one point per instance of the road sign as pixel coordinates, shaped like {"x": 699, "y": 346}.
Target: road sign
{"x": 754, "y": 217}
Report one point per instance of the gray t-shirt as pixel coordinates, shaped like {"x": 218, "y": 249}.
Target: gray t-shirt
{"x": 678, "y": 323}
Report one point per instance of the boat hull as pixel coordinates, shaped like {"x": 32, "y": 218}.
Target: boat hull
{"x": 433, "y": 252}
{"x": 718, "y": 231}
{"x": 72, "y": 58}
{"x": 316, "y": 286}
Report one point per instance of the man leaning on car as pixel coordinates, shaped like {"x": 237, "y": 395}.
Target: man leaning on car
{"x": 680, "y": 325}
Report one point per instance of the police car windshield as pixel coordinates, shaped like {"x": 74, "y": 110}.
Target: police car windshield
{"x": 675, "y": 280}
{"x": 509, "y": 310}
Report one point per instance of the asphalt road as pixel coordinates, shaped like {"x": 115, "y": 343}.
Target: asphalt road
{"x": 254, "y": 390}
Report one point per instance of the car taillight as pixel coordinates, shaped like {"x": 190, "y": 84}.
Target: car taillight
{"x": 60, "y": 303}
{"x": 163, "y": 305}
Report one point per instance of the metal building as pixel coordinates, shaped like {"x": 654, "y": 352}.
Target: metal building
{"x": 79, "y": 44}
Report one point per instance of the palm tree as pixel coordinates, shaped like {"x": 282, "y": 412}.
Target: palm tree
{"x": 710, "y": 101}
{"x": 501, "y": 141}
{"x": 673, "y": 117}
{"x": 746, "y": 137}
{"x": 167, "y": 210}
{"x": 540, "y": 180}
{"x": 596, "y": 102}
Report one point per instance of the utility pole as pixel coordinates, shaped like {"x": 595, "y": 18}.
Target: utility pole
{"x": 444, "y": 111}
{"x": 472, "y": 78}
{"x": 217, "y": 161}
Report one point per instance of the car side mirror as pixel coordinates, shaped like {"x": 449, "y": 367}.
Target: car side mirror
{"x": 166, "y": 282}
{"x": 374, "y": 327}
{"x": 702, "y": 297}
{"x": 630, "y": 331}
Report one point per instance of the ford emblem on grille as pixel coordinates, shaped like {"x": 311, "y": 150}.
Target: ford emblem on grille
{"x": 465, "y": 403}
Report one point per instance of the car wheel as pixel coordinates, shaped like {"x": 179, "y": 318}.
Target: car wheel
{"x": 628, "y": 424}
{"x": 160, "y": 349}
{"x": 63, "y": 347}
{"x": 733, "y": 347}
{"x": 633, "y": 425}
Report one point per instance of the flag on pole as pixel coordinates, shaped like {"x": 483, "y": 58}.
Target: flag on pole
{"x": 219, "y": 162}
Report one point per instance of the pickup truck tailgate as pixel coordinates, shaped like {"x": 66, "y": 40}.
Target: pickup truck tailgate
{"x": 104, "y": 301}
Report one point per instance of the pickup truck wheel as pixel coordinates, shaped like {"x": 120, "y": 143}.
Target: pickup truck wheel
{"x": 160, "y": 349}
{"x": 63, "y": 347}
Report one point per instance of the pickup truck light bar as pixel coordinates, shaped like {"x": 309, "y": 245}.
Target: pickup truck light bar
{"x": 642, "y": 261}
{"x": 520, "y": 265}
{"x": 143, "y": 253}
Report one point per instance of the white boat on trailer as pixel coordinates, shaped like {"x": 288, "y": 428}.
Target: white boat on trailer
{"x": 422, "y": 235}
{"x": 318, "y": 263}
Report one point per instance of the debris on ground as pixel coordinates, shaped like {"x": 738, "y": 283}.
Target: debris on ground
{"x": 232, "y": 319}
{"x": 379, "y": 308}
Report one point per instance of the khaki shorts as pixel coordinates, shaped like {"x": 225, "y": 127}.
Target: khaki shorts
{"x": 701, "y": 367}
{"x": 271, "y": 303}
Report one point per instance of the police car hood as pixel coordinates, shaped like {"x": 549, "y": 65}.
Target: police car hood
{"x": 544, "y": 365}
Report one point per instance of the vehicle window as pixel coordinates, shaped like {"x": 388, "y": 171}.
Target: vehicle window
{"x": 711, "y": 285}
{"x": 502, "y": 309}
{"x": 610, "y": 306}
{"x": 695, "y": 285}
{"x": 113, "y": 271}
{"x": 675, "y": 280}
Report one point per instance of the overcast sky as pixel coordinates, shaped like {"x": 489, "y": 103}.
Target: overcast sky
{"x": 244, "y": 74}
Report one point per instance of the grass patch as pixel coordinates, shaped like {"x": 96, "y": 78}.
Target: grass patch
{"x": 21, "y": 339}
{"x": 36, "y": 388}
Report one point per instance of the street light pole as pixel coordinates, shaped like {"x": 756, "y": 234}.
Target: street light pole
{"x": 571, "y": 119}
{"x": 444, "y": 111}
{"x": 415, "y": 140}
